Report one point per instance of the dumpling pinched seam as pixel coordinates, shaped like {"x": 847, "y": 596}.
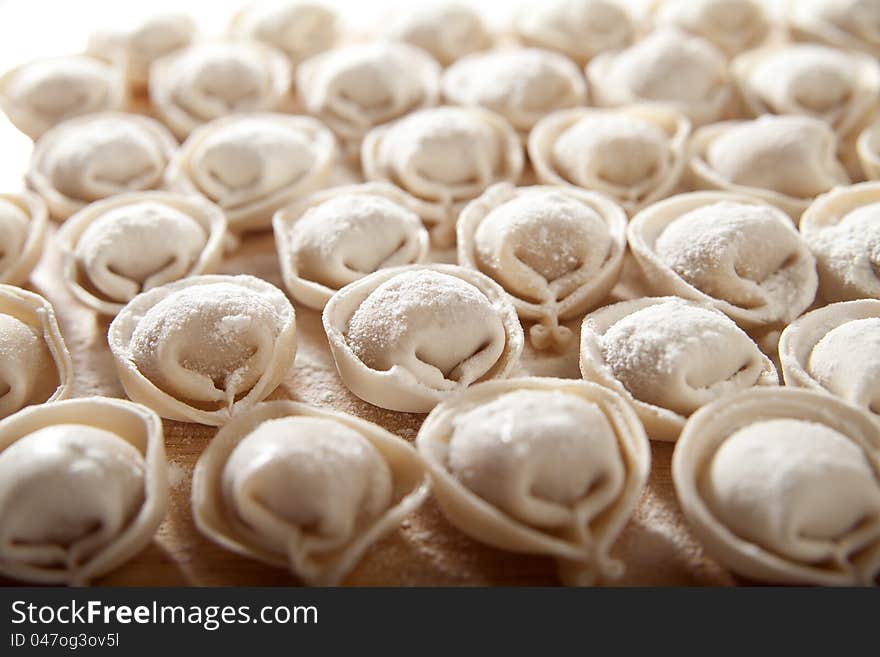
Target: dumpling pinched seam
{"x": 91, "y": 157}
{"x": 114, "y": 249}
{"x": 357, "y": 87}
{"x": 836, "y": 350}
{"x": 212, "y": 79}
{"x": 23, "y": 219}
{"x": 842, "y": 229}
{"x": 556, "y": 251}
{"x": 35, "y": 365}
{"x": 40, "y": 94}
{"x": 783, "y": 486}
{"x": 304, "y": 488}
{"x": 734, "y": 252}
{"x": 636, "y": 155}
{"x": 204, "y": 348}
{"x": 299, "y": 29}
{"x": 540, "y": 466}
{"x": 339, "y": 235}
{"x": 404, "y": 338}
{"x": 785, "y": 160}
{"x": 444, "y": 157}
{"x": 253, "y": 164}
{"x": 579, "y": 29}
{"x": 668, "y": 357}
{"x": 83, "y": 488}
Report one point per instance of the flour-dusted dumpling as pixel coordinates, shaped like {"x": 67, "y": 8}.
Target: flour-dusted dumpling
{"x": 845, "y": 24}
{"x": 868, "y": 151}
{"x": 736, "y": 253}
{"x": 360, "y": 86}
{"x": 836, "y": 350}
{"x": 114, "y": 249}
{"x": 783, "y": 160}
{"x": 556, "y": 251}
{"x": 135, "y": 47}
{"x": 208, "y": 80}
{"x": 92, "y": 157}
{"x": 668, "y": 68}
{"x": 579, "y": 29}
{"x": 731, "y": 25}
{"x": 668, "y": 357}
{"x": 840, "y": 88}
{"x": 253, "y": 164}
{"x": 783, "y": 486}
{"x": 842, "y": 228}
{"x": 299, "y": 29}
{"x": 523, "y": 85}
{"x": 337, "y": 236}
{"x": 23, "y": 218}
{"x": 405, "y": 338}
{"x": 38, "y": 95}
{"x": 204, "y": 348}
{"x": 83, "y": 488}
{"x": 542, "y": 466}
{"x": 304, "y": 488}
{"x": 35, "y": 365}
{"x": 636, "y": 155}
{"x": 446, "y": 30}
{"x": 445, "y": 157}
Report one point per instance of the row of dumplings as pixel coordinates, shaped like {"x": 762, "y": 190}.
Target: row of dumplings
{"x": 780, "y": 486}
{"x": 439, "y": 159}
{"x": 403, "y": 332}
{"x": 679, "y": 79}
{"x": 354, "y": 86}
{"x": 210, "y": 348}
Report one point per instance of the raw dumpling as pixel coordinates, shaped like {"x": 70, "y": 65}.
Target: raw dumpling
{"x": 737, "y": 254}
{"x": 337, "y": 236}
{"x": 842, "y": 228}
{"x": 35, "y": 366}
{"x": 92, "y": 157}
{"x": 636, "y": 155}
{"x": 305, "y": 488}
{"x": 299, "y": 29}
{"x": 204, "y": 348}
{"x": 405, "y": 338}
{"x": 542, "y": 466}
{"x": 783, "y": 486}
{"x": 522, "y": 85}
{"x": 22, "y": 229}
{"x": 445, "y": 30}
{"x": 208, "y": 80}
{"x": 579, "y": 29}
{"x": 668, "y": 357}
{"x": 844, "y": 24}
{"x": 837, "y": 87}
{"x": 253, "y": 164}
{"x": 137, "y": 46}
{"x": 836, "y": 350}
{"x": 83, "y": 488}
{"x": 868, "y": 151}
{"x": 730, "y": 25}
{"x": 556, "y": 251}
{"x": 668, "y": 68}
{"x": 355, "y": 88}
{"x": 783, "y": 160}
{"x": 114, "y": 249}
{"x": 444, "y": 157}
{"x": 40, "y": 94}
